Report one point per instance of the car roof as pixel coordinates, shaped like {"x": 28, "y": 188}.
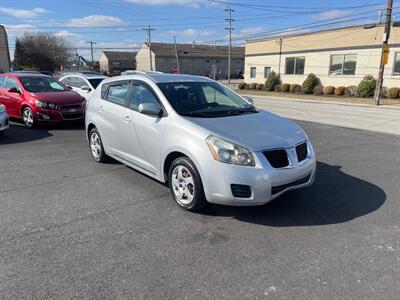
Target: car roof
{"x": 87, "y": 76}
{"x": 162, "y": 78}
{"x": 25, "y": 74}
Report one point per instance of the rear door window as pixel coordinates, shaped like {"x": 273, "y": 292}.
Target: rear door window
{"x": 2, "y": 81}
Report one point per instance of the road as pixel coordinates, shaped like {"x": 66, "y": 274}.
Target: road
{"x": 381, "y": 119}
{"x": 71, "y": 228}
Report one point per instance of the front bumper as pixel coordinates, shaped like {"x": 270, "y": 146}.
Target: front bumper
{"x": 76, "y": 112}
{"x": 4, "y": 123}
{"x": 266, "y": 183}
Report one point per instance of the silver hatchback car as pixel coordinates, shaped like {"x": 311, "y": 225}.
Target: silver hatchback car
{"x": 207, "y": 142}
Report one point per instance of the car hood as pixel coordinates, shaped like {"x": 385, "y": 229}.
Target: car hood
{"x": 67, "y": 97}
{"x": 257, "y": 131}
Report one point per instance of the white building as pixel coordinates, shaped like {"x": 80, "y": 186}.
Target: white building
{"x": 4, "y": 51}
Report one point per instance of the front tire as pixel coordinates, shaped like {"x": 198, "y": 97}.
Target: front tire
{"x": 27, "y": 118}
{"x": 185, "y": 184}
{"x": 96, "y": 146}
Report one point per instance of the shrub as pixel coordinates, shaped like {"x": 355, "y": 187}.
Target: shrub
{"x": 285, "y": 87}
{"x": 241, "y": 86}
{"x": 350, "y": 91}
{"x": 295, "y": 88}
{"x": 259, "y": 86}
{"x": 253, "y": 85}
{"x": 329, "y": 90}
{"x": 310, "y": 83}
{"x": 339, "y": 91}
{"x": 247, "y": 87}
{"x": 272, "y": 80}
{"x": 318, "y": 90}
{"x": 366, "y": 87}
{"x": 278, "y": 88}
{"x": 393, "y": 93}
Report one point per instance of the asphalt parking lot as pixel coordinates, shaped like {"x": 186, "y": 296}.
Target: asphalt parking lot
{"x": 71, "y": 228}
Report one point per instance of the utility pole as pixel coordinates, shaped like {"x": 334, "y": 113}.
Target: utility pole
{"x": 149, "y": 30}
{"x": 177, "y": 57}
{"x": 385, "y": 51}
{"x": 229, "y": 28}
{"x": 280, "y": 55}
{"x": 91, "y": 50}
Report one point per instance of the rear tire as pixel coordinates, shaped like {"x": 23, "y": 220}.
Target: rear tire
{"x": 185, "y": 184}
{"x": 96, "y": 146}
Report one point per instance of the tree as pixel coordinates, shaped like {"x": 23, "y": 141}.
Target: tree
{"x": 42, "y": 51}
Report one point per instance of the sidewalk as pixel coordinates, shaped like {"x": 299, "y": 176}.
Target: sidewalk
{"x": 384, "y": 119}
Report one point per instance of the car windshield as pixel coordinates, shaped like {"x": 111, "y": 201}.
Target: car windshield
{"x": 42, "y": 84}
{"x": 205, "y": 99}
{"x": 95, "y": 82}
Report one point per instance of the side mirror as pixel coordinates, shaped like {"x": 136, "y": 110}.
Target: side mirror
{"x": 86, "y": 88}
{"x": 14, "y": 90}
{"x": 69, "y": 88}
{"x": 151, "y": 109}
{"x": 249, "y": 99}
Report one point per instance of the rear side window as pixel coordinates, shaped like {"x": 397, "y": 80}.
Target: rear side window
{"x": 1, "y": 82}
{"x": 10, "y": 83}
{"x": 118, "y": 92}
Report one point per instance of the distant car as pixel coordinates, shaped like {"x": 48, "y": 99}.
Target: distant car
{"x": 207, "y": 142}
{"x": 4, "y": 124}
{"x": 83, "y": 84}
{"x": 37, "y": 98}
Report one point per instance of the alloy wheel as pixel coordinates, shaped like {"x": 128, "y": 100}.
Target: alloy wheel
{"x": 95, "y": 145}
{"x": 28, "y": 117}
{"x": 183, "y": 185}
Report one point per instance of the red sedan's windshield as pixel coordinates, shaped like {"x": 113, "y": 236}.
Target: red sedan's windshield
{"x": 42, "y": 84}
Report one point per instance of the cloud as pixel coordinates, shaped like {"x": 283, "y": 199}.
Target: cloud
{"x": 252, "y": 30}
{"x": 17, "y": 30}
{"x": 95, "y": 21}
{"x": 329, "y": 14}
{"x": 23, "y": 13}
{"x": 191, "y": 33}
{"x": 190, "y": 3}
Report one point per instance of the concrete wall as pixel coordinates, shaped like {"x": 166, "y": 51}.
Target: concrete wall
{"x": 103, "y": 62}
{"x": 4, "y": 51}
{"x": 317, "y": 49}
{"x": 199, "y": 66}
{"x": 143, "y": 59}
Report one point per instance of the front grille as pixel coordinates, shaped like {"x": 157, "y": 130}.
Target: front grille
{"x": 70, "y": 106}
{"x": 72, "y": 115}
{"x": 241, "y": 191}
{"x": 301, "y": 151}
{"x": 277, "y": 158}
{"x": 280, "y": 188}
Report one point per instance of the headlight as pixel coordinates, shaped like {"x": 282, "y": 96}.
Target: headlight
{"x": 52, "y": 105}
{"x": 41, "y": 104}
{"x": 229, "y": 153}
{"x": 2, "y": 108}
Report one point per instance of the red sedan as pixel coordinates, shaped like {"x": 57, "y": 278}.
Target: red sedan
{"x": 37, "y": 99}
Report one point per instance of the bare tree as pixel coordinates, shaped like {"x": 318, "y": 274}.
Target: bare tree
{"x": 42, "y": 51}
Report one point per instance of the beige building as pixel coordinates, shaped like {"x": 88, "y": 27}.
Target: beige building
{"x": 115, "y": 62}
{"x": 338, "y": 57}
{"x": 193, "y": 59}
{"x": 4, "y": 51}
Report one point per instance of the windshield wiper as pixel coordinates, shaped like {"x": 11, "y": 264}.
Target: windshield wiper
{"x": 241, "y": 112}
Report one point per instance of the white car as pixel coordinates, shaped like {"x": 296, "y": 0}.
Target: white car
{"x": 83, "y": 84}
{"x": 206, "y": 141}
{"x": 4, "y": 123}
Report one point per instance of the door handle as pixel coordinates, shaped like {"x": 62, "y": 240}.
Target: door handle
{"x": 128, "y": 119}
{"x": 100, "y": 108}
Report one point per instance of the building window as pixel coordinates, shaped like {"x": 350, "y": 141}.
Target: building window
{"x": 267, "y": 70}
{"x": 253, "y": 72}
{"x": 343, "y": 64}
{"x": 396, "y": 66}
{"x": 295, "y": 65}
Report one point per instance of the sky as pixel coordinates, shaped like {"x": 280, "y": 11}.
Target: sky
{"x": 118, "y": 24}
